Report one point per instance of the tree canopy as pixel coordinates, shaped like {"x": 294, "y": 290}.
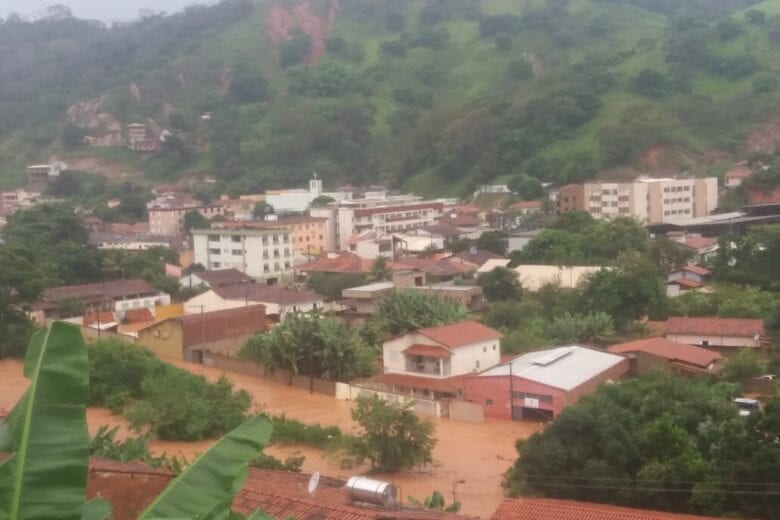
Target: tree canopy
{"x": 658, "y": 442}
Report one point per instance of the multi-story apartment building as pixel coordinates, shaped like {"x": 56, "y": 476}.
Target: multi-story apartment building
{"x": 385, "y": 216}
{"x": 261, "y": 253}
{"x": 650, "y": 200}
{"x": 307, "y": 233}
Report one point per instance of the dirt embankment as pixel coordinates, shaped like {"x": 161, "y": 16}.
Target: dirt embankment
{"x": 280, "y": 24}
{"x": 112, "y": 170}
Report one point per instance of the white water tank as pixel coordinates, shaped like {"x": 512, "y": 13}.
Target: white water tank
{"x": 370, "y": 491}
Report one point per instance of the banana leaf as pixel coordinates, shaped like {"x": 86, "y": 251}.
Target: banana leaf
{"x": 206, "y": 489}
{"x": 45, "y": 477}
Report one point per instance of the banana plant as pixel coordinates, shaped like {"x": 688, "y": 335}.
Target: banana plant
{"x": 206, "y": 489}
{"x": 45, "y": 476}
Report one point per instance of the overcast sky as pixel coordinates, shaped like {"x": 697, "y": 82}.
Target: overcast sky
{"x": 106, "y": 10}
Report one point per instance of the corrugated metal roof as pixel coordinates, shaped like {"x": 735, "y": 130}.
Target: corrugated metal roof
{"x": 562, "y": 367}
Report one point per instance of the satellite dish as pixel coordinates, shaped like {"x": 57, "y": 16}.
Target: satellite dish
{"x": 314, "y": 481}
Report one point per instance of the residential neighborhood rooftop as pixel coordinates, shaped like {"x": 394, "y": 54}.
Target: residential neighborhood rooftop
{"x": 670, "y": 350}
{"x": 562, "y": 367}
{"x": 221, "y": 277}
{"x": 715, "y": 326}
{"x": 262, "y": 293}
{"x": 460, "y": 334}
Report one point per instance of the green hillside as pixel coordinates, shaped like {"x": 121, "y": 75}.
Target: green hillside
{"x": 432, "y": 96}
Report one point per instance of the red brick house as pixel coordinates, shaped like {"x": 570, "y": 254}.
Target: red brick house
{"x": 541, "y": 384}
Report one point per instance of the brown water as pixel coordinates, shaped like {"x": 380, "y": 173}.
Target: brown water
{"x": 469, "y": 459}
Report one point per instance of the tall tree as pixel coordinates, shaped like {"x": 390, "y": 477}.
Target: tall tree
{"x": 393, "y": 437}
{"x": 404, "y": 311}
{"x": 500, "y": 284}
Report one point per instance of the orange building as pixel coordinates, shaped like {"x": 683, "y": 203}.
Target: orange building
{"x": 307, "y": 233}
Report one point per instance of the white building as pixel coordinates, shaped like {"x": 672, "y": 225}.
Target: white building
{"x": 431, "y": 363}
{"x": 386, "y": 216}
{"x": 652, "y": 200}
{"x": 279, "y": 301}
{"x": 260, "y": 253}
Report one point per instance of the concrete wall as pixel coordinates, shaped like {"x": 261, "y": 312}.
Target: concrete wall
{"x": 715, "y": 341}
{"x": 249, "y": 368}
{"x": 128, "y": 493}
{"x": 616, "y": 373}
{"x": 165, "y": 339}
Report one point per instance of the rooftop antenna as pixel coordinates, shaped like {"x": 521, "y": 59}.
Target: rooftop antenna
{"x": 314, "y": 481}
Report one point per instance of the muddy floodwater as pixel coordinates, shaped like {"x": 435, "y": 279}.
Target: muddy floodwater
{"x": 469, "y": 459}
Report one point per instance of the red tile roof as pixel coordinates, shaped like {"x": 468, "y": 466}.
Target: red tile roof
{"x": 697, "y": 269}
{"x": 428, "y": 351}
{"x": 715, "y": 326}
{"x": 548, "y": 509}
{"x": 224, "y": 277}
{"x": 460, "y": 334}
{"x": 450, "y": 385}
{"x": 345, "y": 263}
{"x": 684, "y": 282}
{"x": 670, "y": 350}
{"x": 284, "y": 495}
{"x": 434, "y": 266}
{"x": 261, "y": 293}
{"x": 112, "y": 290}
{"x": 103, "y": 317}
{"x": 699, "y": 242}
{"x": 139, "y": 316}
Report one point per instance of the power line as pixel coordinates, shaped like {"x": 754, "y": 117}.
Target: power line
{"x": 613, "y": 479}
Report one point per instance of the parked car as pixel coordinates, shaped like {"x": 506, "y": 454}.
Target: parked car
{"x": 746, "y": 406}
{"x": 767, "y": 377}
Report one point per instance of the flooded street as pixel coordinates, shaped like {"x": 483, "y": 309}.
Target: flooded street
{"x": 469, "y": 459}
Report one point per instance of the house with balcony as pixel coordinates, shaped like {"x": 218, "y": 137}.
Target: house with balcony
{"x": 431, "y": 363}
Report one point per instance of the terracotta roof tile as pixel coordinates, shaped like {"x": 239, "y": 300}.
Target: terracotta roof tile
{"x": 221, "y": 277}
{"x": 460, "y": 334}
{"x": 715, "y": 326}
{"x": 110, "y": 290}
{"x": 684, "y": 282}
{"x": 548, "y": 509}
{"x": 345, "y": 263}
{"x": 699, "y": 242}
{"x": 697, "y": 269}
{"x": 428, "y": 351}
{"x": 478, "y": 258}
{"x": 139, "y": 316}
{"x": 261, "y": 293}
{"x": 670, "y": 350}
{"x": 449, "y": 385}
{"x": 284, "y": 495}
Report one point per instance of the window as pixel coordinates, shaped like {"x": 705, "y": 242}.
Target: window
{"x": 494, "y": 347}
{"x": 237, "y": 252}
{"x": 265, "y": 241}
{"x": 215, "y": 265}
{"x": 266, "y": 269}
{"x": 275, "y": 239}
{"x": 276, "y": 253}
{"x": 287, "y": 265}
{"x": 484, "y": 349}
{"x": 214, "y": 251}
{"x": 488, "y": 402}
{"x": 265, "y": 255}
{"x": 477, "y": 363}
{"x": 236, "y": 239}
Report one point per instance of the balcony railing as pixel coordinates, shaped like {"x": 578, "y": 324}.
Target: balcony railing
{"x": 429, "y": 368}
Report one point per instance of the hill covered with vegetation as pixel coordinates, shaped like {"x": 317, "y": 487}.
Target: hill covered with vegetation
{"x": 435, "y": 96}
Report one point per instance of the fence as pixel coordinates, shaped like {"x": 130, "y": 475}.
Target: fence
{"x": 249, "y": 368}
{"x": 424, "y": 407}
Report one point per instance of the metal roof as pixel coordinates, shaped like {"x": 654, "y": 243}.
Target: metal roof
{"x": 562, "y": 367}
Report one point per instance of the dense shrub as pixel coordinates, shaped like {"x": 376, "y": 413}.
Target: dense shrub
{"x": 172, "y": 403}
